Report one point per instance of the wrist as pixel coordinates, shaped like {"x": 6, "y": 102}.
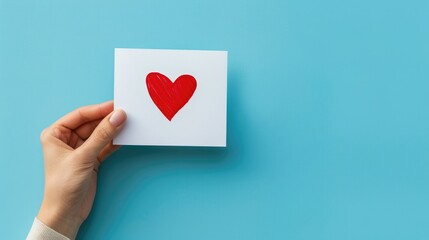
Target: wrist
{"x": 60, "y": 221}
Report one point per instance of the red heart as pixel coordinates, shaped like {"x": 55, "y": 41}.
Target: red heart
{"x": 170, "y": 97}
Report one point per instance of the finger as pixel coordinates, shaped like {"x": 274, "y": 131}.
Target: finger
{"x": 86, "y": 129}
{"x": 79, "y": 143}
{"x": 107, "y": 151}
{"x": 73, "y": 139}
{"x": 54, "y": 136}
{"x": 105, "y": 132}
{"x": 85, "y": 114}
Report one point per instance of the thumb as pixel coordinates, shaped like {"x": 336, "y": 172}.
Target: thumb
{"x": 106, "y": 130}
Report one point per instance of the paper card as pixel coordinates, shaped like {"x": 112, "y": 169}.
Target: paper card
{"x": 171, "y": 97}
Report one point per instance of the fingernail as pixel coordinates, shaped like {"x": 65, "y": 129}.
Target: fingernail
{"x": 118, "y": 118}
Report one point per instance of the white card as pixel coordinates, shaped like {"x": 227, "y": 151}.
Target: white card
{"x": 171, "y": 97}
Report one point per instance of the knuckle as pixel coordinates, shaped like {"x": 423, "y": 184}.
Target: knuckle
{"x": 82, "y": 116}
{"x": 43, "y": 135}
{"x": 49, "y": 133}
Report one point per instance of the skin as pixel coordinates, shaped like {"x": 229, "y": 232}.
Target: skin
{"x": 73, "y": 148}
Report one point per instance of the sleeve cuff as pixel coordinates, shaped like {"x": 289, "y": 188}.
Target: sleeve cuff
{"x": 39, "y": 231}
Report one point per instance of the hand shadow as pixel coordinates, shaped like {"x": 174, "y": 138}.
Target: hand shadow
{"x": 121, "y": 175}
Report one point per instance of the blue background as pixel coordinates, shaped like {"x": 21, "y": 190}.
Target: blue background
{"x": 328, "y": 119}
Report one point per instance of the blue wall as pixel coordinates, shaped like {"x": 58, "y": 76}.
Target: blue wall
{"x": 328, "y": 118}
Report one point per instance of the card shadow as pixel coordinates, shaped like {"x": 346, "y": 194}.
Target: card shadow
{"x": 121, "y": 174}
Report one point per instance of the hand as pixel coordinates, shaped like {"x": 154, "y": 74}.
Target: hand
{"x": 73, "y": 149}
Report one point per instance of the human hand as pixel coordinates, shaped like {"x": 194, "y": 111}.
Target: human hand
{"x": 73, "y": 149}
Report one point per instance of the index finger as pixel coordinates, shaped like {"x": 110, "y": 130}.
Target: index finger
{"x": 85, "y": 114}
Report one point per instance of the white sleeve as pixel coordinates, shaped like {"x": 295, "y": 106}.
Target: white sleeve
{"x": 39, "y": 231}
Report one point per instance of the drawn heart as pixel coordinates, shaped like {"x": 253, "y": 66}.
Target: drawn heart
{"x": 170, "y": 97}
